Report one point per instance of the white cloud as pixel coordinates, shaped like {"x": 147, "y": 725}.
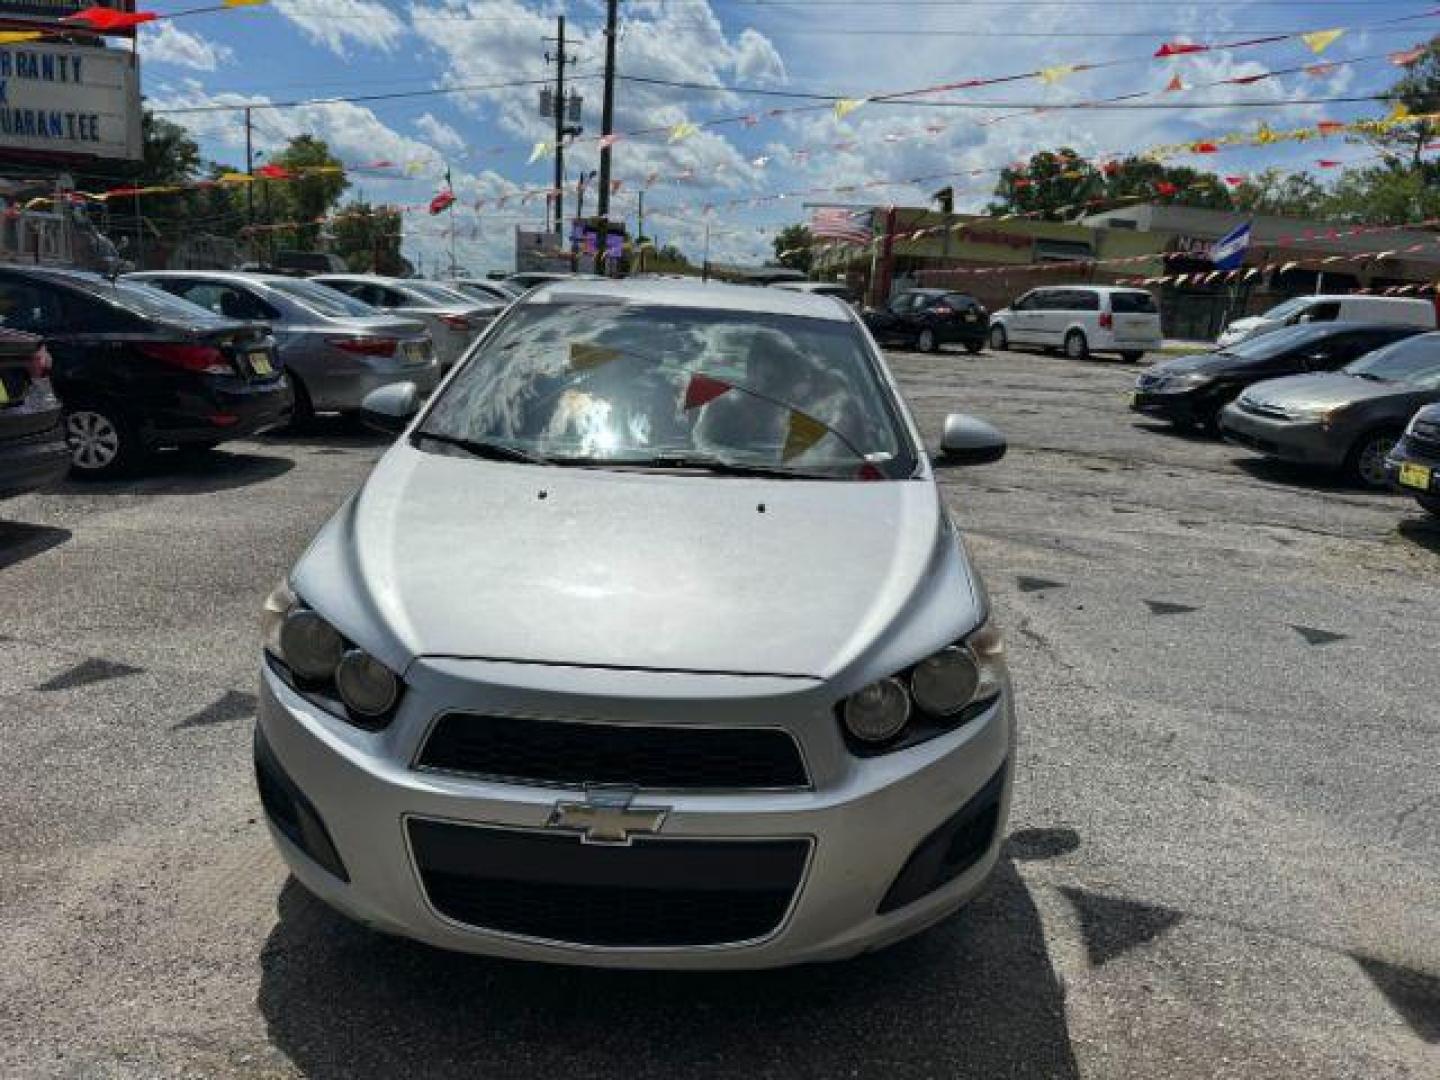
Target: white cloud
{"x": 167, "y": 44}
{"x": 439, "y": 133}
{"x": 340, "y": 24}
{"x": 756, "y": 59}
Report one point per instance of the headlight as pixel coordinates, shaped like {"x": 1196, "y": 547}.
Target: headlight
{"x": 1311, "y": 414}
{"x": 932, "y": 697}
{"x": 318, "y": 662}
{"x": 1191, "y": 379}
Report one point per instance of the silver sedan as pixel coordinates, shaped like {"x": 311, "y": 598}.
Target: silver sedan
{"x": 336, "y": 350}
{"x": 650, "y": 643}
{"x": 453, "y": 319}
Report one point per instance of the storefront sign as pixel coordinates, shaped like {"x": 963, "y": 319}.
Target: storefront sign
{"x": 69, "y": 100}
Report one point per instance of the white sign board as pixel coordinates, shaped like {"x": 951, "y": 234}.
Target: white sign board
{"x": 68, "y": 99}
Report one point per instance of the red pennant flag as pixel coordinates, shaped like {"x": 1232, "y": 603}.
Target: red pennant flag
{"x": 1319, "y": 71}
{"x": 442, "y": 202}
{"x": 1406, "y": 57}
{"x": 274, "y": 172}
{"x": 1180, "y": 48}
{"x": 1174, "y": 85}
{"x": 704, "y": 389}
{"x": 1330, "y": 127}
{"x": 1165, "y": 187}
{"x": 1246, "y": 80}
{"x": 1328, "y": 163}
{"x": 1205, "y": 148}
{"x": 103, "y": 18}
{"x": 1110, "y": 168}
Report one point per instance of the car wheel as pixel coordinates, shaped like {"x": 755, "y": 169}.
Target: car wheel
{"x": 925, "y": 341}
{"x": 101, "y": 442}
{"x": 1076, "y": 347}
{"x": 1366, "y": 463}
{"x": 1132, "y": 357}
{"x": 998, "y": 339}
{"x": 302, "y": 412}
{"x": 1430, "y": 503}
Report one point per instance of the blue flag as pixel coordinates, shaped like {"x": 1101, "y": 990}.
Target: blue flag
{"x": 1228, "y": 253}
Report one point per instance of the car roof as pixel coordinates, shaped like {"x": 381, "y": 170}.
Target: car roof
{"x": 1363, "y": 296}
{"x": 709, "y": 296}
{"x": 1095, "y": 288}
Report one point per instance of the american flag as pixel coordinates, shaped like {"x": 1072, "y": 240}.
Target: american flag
{"x": 837, "y": 223}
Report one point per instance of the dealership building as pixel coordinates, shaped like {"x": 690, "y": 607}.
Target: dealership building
{"x": 997, "y": 260}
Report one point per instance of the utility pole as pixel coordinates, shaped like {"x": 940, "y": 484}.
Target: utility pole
{"x": 559, "y": 107}
{"x": 607, "y": 122}
{"x": 640, "y": 232}
{"x": 250, "y": 185}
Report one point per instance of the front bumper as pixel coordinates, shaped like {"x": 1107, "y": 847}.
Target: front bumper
{"x": 1305, "y": 443}
{"x": 1423, "y": 460}
{"x": 1185, "y": 407}
{"x": 33, "y": 462}
{"x": 860, "y": 819}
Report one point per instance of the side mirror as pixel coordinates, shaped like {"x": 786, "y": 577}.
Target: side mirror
{"x": 391, "y": 408}
{"x": 970, "y": 441}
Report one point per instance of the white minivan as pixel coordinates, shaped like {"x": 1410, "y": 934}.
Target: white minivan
{"x": 1081, "y": 319}
{"x": 1405, "y": 310}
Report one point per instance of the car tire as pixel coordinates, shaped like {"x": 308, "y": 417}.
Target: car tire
{"x": 974, "y": 347}
{"x": 925, "y": 341}
{"x": 1365, "y": 464}
{"x": 302, "y": 412}
{"x": 1132, "y": 357}
{"x": 1430, "y": 503}
{"x": 102, "y": 441}
{"x": 1076, "y": 347}
{"x": 999, "y": 340}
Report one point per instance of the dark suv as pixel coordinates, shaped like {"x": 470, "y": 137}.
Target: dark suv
{"x": 33, "y": 453}
{"x": 1413, "y": 466}
{"x": 925, "y": 319}
{"x": 138, "y": 368}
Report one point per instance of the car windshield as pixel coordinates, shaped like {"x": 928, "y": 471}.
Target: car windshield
{"x": 607, "y": 383}
{"x": 438, "y": 294}
{"x": 156, "y": 303}
{"x": 1288, "y": 308}
{"x": 1273, "y": 344}
{"x": 321, "y": 299}
{"x": 1414, "y": 361}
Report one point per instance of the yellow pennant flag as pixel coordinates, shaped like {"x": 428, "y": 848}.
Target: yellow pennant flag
{"x": 1320, "y": 40}
{"x": 1264, "y": 136}
{"x": 541, "y": 149}
{"x": 235, "y": 178}
{"x": 14, "y": 37}
{"x": 683, "y": 130}
{"x": 243, "y": 3}
{"x": 1400, "y": 112}
{"x": 1055, "y": 74}
{"x": 584, "y": 355}
{"x": 845, "y": 106}
{"x": 805, "y": 432}
{"x": 415, "y": 167}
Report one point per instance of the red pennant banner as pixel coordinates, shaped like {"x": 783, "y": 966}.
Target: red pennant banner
{"x": 704, "y": 389}
{"x": 274, "y": 172}
{"x": 1179, "y": 48}
{"x": 103, "y": 18}
{"x": 442, "y": 202}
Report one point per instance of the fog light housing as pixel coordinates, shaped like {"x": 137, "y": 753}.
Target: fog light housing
{"x": 366, "y": 686}
{"x": 877, "y": 712}
{"x": 310, "y": 645}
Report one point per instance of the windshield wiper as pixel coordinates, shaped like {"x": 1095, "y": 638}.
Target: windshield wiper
{"x": 697, "y": 463}
{"x": 491, "y": 451}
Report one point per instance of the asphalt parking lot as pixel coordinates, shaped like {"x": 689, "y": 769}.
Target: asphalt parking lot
{"x": 1224, "y": 855}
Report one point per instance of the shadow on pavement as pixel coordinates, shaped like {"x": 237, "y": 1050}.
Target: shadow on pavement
{"x": 20, "y": 540}
{"x": 1314, "y": 477}
{"x": 1164, "y": 427}
{"x": 975, "y": 996}
{"x": 331, "y": 430}
{"x": 1422, "y": 531}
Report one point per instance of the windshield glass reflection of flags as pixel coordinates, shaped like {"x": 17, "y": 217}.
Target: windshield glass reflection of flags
{"x": 839, "y": 223}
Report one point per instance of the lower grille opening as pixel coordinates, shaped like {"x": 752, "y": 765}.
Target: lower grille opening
{"x": 651, "y": 893}
{"x": 574, "y": 753}
{"x": 950, "y": 850}
{"x": 292, "y": 813}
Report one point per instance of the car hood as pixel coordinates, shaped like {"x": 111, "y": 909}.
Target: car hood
{"x": 1321, "y": 390}
{"x": 452, "y": 556}
{"x": 1201, "y": 363}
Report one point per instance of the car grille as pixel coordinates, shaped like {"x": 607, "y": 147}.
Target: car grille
{"x": 1263, "y": 408}
{"x": 576, "y": 753}
{"x": 1150, "y": 382}
{"x": 650, "y": 893}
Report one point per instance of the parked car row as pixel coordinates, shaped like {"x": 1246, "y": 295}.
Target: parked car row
{"x": 190, "y": 359}
{"x": 1347, "y": 396}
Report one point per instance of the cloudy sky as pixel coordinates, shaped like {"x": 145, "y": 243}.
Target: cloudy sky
{"x": 484, "y": 131}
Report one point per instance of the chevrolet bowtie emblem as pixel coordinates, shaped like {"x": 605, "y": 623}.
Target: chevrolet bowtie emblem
{"x": 606, "y": 817}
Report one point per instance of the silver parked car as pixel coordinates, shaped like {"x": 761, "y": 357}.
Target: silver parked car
{"x": 1350, "y": 419}
{"x": 649, "y": 643}
{"x": 496, "y": 292}
{"x": 334, "y": 348}
{"x": 453, "y": 319}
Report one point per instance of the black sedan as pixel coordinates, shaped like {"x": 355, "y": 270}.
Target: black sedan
{"x": 1190, "y": 391}
{"x": 139, "y": 369}
{"x": 33, "y": 453}
{"x": 925, "y": 319}
{"x": 1413, "y": 466}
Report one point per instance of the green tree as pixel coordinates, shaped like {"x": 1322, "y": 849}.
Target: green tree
{"x": 1048, "y": 186}
{"x": 1274, "y": 191}
{"x": 310, "y": 196}
{"x": 1384, "y": 195}
{"x": 792, "y": 248}
{"x": 368, "y": 238}
{"x": 1147, "y": 179}
{"x": 1419, "y": 91}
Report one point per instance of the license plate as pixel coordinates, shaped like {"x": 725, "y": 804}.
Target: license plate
{"x": 1415, "y": 476}
{"x": 260, "y": 364}
{"x": 4, "y": 394}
